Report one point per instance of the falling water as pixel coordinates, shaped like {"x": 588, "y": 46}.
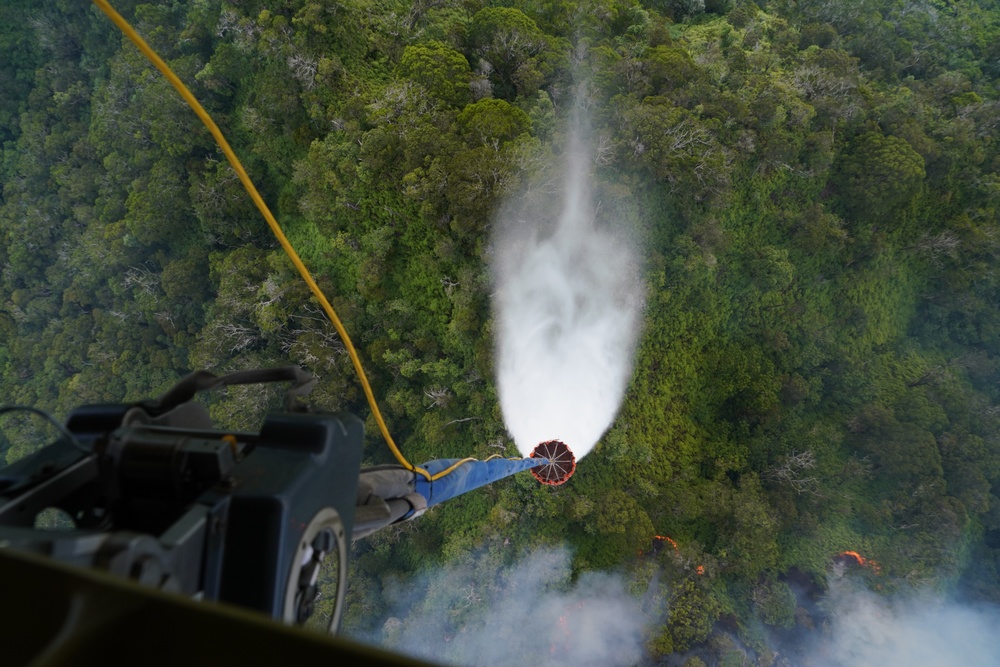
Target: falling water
{"x": 567, "y": 303}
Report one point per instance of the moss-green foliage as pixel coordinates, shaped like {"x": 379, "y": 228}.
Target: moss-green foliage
{"x": 775, "y": 603}
{"x": 881, "y": 174}
{"x": 817, "y": 185}
{"x": 443, "y": 71}
{"x": 692, "y": 612}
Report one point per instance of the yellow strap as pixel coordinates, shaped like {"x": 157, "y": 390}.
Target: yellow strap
{"x": 147, "y": 51}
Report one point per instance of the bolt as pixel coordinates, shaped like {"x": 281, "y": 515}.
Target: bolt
{"x": 324, "y": 541}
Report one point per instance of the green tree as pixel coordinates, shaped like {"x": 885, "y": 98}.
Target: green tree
{"x": 510, "y": 43}
{"x": 879, "y": 175}
{"x": 441, "y": 70}
{"x": 675, "y": 146}
{"x": 623, "y": 528}
{"x": 157, "y": 204}
{"x": 691, "y": 613}
{"x": 668, "y": 68}
{"x": 493, "y": 122}
{"x": 775, "y": 603}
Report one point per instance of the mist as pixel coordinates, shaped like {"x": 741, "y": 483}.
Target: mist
{"x": 855, "y": 626}
{"x": 479, "y": 613}
{"x": 567, "y": 302}
{"x": 913, "y": 630}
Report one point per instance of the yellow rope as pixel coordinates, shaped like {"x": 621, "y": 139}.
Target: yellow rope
{"x": 147, "y": 51}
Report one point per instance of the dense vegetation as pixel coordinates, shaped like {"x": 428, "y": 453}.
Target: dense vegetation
{"x": 819, "y": 189}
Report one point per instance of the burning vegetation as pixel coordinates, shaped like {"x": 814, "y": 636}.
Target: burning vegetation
{"x": 853, "y": 558}
{"x": 660, "y": 540}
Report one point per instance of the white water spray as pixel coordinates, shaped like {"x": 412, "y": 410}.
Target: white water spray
{"x": 567, "y": 307}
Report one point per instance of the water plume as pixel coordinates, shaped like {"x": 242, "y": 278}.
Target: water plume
{"x": 567, "y": 306}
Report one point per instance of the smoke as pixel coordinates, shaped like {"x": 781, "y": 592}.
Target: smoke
{"x": 567, "y": 306}
{"x": 907, "y": 630}
{"x": 526, "y": 614}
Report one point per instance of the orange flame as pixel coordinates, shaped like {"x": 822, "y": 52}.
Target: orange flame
{"x": 863, "y": 562}
{"x": 563, "y": 626}
{"x": 562, "y": 638}
{"x": 856, "y": 556}
{"x": 664, "y": 537}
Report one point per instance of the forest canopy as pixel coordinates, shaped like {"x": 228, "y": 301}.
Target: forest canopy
{"x": 818, "y": 190}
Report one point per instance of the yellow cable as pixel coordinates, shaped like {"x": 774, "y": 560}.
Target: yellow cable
{"x": 147, "y": 51}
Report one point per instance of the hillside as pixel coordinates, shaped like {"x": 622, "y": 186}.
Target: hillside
{"x": 816, "y": 187}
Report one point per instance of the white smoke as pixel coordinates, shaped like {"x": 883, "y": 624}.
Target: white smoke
{"x": 527, "y": 614}
{"x": 567, "y": 306}
{"x": 915, "y": 630}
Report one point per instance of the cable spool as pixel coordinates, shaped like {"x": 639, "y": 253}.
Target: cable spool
{"x": 561, "y": 463}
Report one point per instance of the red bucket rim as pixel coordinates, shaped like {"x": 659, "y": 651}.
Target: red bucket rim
{"x": 562, "y": 463}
